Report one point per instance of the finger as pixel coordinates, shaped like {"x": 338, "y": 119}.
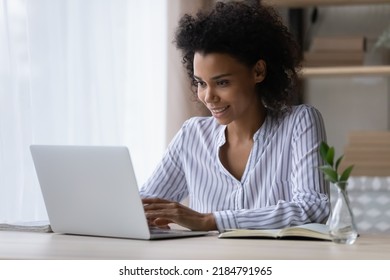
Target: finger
{"x": 159, "y": 223}
{"x": 162, "y": 222}
{"x": 161, "y": 206}
{"x": 160, "y": 227}
{"x": 152, "y": 200}
{"x": 167, "y": 215}
{"x": 153, "y": 214}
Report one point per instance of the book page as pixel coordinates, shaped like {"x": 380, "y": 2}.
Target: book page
{"x": 313, "y": 230}
{"x": 322, "y": 228}
{"x": 271, "y": 233}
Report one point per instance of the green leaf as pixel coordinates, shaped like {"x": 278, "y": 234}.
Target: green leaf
{"x": 338, "y": 162}
{"x": 345, "y": 175}
{"x": 330, "y": 173}
{"x": 330, "y": 156}
{"x": 323, "y": 150}
{"x": 331, "y": 168}
{"x": 342, "y": 185}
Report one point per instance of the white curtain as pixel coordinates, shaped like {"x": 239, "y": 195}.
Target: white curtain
{"x": 90, "y": 72}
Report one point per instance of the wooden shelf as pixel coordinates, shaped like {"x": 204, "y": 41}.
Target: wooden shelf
{"x": 383, "y": 70}
{"x": 306, "y": 3}
{"x": 307, "y": 72}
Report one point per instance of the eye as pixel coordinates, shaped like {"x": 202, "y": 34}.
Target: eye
{"x": 200, "y": 84}
{"x": 222, "y": 83}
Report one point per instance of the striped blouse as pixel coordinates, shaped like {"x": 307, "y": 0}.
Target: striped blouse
{"x": 281, "y": 185}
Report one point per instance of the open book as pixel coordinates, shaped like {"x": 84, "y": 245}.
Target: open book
{"x": 310, "y": 231}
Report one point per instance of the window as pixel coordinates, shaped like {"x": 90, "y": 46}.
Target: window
{"x": 78, "y": 72}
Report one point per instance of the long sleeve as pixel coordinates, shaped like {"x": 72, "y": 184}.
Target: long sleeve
{"x": 281, "y": 185}
{"x": 301, "y": 194}
{"x": 168, "y": 180}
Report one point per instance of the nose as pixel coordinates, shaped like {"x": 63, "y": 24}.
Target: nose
{"x": 210, "y": 95}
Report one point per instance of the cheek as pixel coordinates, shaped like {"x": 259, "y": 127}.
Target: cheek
{"x": 200, "y": 95}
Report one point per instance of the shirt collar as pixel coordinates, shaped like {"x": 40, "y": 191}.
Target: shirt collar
{"x": 259, "y": 134}
{"x": 221, "y": 137}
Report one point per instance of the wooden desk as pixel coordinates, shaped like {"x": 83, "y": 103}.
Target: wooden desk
{"x": 45, "y": 246}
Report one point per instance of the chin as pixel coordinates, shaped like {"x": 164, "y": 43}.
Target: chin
{"x": 222, "y": 121}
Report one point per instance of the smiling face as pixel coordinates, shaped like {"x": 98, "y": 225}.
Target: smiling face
{"x": 227, "y": 87}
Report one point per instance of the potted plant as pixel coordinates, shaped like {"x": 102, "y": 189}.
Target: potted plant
{"x": 341, "y": 225}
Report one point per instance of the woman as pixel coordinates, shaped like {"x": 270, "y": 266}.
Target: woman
{"x": 253, "y": 163}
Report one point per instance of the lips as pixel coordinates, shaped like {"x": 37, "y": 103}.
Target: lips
{"x": 218, "y": 110}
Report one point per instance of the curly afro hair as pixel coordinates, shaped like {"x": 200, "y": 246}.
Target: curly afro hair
{"x": 247, "y": 32}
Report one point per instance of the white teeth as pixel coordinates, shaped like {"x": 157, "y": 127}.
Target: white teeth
{"x": 219, "y": 110}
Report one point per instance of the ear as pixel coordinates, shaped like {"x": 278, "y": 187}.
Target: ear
{"x": 260, "y": 71}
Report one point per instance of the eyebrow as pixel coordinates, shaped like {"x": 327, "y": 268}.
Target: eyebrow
{"x": 215, "y": 77}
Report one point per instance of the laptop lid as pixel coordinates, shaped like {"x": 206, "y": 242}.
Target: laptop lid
{"x": 90, "y": 190}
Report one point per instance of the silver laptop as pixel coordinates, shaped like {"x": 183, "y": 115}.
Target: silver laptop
{"x": 92, "y": 190}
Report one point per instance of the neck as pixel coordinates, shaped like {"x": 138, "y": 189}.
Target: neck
{"x": 243, "y": 130}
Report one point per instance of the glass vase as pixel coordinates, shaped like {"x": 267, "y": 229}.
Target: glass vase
{"x": 342, "y": 225}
